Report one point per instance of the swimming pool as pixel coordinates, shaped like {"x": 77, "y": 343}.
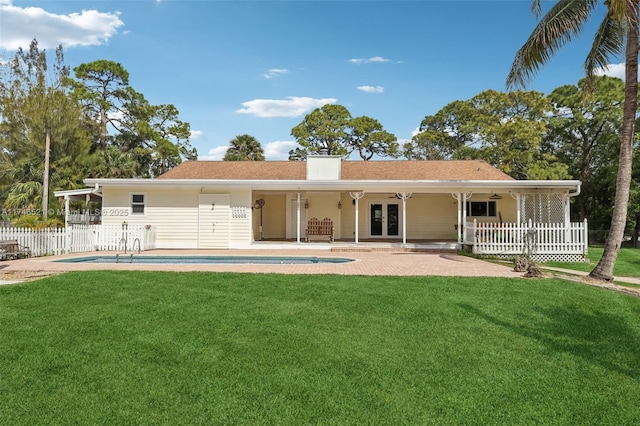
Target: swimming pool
{"x": 207, "y": 260}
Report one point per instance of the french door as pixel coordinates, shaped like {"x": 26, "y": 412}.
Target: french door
{"x": 384, "y": 219}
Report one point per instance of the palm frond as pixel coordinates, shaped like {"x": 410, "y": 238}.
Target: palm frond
{"x": 536, "y": 8}
{"x": 608, "y": 41}
{"x": 564, "y": 21}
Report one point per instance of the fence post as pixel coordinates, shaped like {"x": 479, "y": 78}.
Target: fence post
{"x": 585, "y": 240}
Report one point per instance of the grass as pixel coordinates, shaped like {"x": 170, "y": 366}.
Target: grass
{"x": 194, "y": 348}
{"x": 627, "y": 263}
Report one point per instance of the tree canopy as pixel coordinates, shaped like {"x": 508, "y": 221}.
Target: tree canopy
{"x": 244, "y": 148}
{"x": 333, "y": 131}
{"x": 504, "y": 129}
{"x": 154, "y": 135}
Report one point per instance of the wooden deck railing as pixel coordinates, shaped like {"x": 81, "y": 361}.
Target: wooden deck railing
{"x": 546, "y": 241}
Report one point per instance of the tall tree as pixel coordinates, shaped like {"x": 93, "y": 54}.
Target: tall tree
{"x": 369, "y": 138}
{"x": 510, "y": 129}
{"x": 156, "y": 137}
{"x": 297, "y": 154}
{"x": 112, "y": 162}
{"x": 41, "y": 126}
{"x": 504, "y": 129}
{"x": 324, "y": 129}
{"x": 444, "y": 134}
{"x": 103, "y": 87}
{"x": 584, "y": 133}
{"x": 244, "y": 148}
{"x": 617, "y": 33}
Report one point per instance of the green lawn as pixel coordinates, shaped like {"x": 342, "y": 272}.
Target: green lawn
{"x": 205, "y": 348}
{"x": 627, "y": 263}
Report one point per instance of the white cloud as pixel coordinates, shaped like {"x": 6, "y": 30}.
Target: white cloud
{"x": 375, "y": 59}
{"x": 279, "y": 150}
{"x": 292, "y": 106}
{"x": 612, "y": 70}
{"x": 196, "y": 134}
{"x": 415, "y": 131}
{"x": 371, "y": 89}
{"x": 275, "y": 72}
{"x": 216, "y": 153}
{"x": 20, "y": 25}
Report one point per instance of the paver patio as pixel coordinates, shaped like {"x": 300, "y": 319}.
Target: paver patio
{"x": 365, "y": 263}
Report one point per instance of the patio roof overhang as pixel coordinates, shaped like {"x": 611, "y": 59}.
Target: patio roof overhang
{"x": 414, "y": 186}
{"x": 80, "y": 194}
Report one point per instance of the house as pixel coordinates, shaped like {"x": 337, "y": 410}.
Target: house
{"x": 221, "y": 204}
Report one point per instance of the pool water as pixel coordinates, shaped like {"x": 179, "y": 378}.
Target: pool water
{"x": 213, "y": 260}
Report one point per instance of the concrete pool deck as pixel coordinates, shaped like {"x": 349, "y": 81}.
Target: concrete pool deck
{"x": 365, "y": 263}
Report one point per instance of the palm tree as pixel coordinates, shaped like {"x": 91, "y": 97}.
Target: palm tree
{"x": 244, "y": 148}
{"x": 617, "y": 33}
{"x": 114, "y": 163}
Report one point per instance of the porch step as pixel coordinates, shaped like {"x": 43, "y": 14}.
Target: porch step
{"x": 432, "y": 250}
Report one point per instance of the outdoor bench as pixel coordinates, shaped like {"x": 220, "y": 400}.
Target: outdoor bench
{"x": 11, "y": 249}
{"x": 323, "y": 228}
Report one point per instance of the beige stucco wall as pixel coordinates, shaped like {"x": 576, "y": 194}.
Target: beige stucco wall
{"x": 273, "y": 216}
{"x": 325, "y": 204}
{"x": 428, "y": 216}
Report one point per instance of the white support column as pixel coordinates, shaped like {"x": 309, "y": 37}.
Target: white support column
{"x": 458, "y": 198}
{"x": 466, "y": 196}
{"x": 298, "y": 218}
{"x": 404, "y": 196}
{"x": 462, "y": 199}
{"x": 67, "y": 228}
{"x": 356, "y": 196}
{"x": 66, "y": 210}
{"x": 567, "y": 209}
{"x": 87, "y": 213}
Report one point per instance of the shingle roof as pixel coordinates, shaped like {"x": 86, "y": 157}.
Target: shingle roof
{"x": 239, "y": 170}
{"x": 351, "y": 170}
{"x": 421, "y": 170}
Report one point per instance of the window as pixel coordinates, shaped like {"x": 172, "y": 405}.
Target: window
{"x": 481, "y": 208}
{"x": 137, "y": 203}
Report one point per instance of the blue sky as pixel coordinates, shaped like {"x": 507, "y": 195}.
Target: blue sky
{"x": 258, "y": 67}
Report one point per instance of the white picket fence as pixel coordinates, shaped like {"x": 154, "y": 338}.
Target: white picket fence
{"x": 543, "y": 241}
{"x": 82, "y": 238}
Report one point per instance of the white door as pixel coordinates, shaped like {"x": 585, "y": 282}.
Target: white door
{"x": 294, "y": 219}
{"x": 213, "y": 221}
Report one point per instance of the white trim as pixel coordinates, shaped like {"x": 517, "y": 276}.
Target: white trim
{"x": 75, "y": 192}
{"x": 144, "y": 204}
{"x": 392, "y": 186}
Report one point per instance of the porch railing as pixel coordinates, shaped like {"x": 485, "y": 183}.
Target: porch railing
{"x": 542, "y": 241}
{"x": 84, "y": 218}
